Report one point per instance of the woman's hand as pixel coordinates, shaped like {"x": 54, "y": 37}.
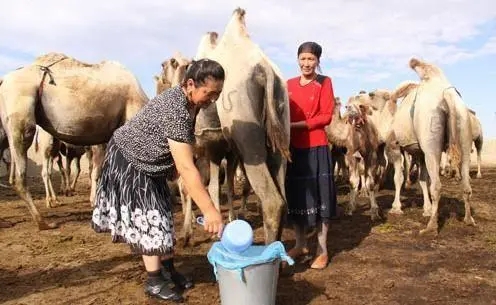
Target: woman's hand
{"x": 299, "y": 125}
{"x": 213, "y": 222}
{"x": 183, "y": 158}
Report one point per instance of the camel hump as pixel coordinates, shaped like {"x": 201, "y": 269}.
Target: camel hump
{"x": 403, "y": 89}
{"x": 65, "y": 60}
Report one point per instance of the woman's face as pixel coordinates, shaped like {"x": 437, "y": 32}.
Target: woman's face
{"x": 308, "y": 63}
{"x": 205, "y": 94}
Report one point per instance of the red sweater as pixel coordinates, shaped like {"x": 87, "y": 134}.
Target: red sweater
{"x": 314, "y": 104}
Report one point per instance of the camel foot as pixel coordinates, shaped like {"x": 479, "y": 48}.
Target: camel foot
{"x": 374, "y": 215}
{"x": 469, "y": 220}
{"x": 50, "y": 203}
{"x": 429, "y": 231}
{"x": 427, "y": 213}
{"x": 479, "y": 176}
{"x": 396, "y": 211}
{"x": 42, "y": 225}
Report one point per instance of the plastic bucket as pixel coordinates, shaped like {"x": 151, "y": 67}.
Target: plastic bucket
{"x": 237, "y": 235}
{"x": 259, "y": 285}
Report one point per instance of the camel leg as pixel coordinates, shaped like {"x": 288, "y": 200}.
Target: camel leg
{"x": 478, "y": 147}
{"x": 63, "y": 174}
{"x": 432, "y": 159}
{"x": 407, "y": 168}
{"x": 76, "y": 175}
{"x": 372, "y": 187}
{"x": 354, "y": 181}
{"x": 97, "y": 159}
{"x": 394, "y": 155}
{"x": 20, "y": 135}
{"x": 89, "y": 155}
{"x": 272, "y": 200}
{"x": 12, "y": 171}
{"x": 214, "y": 183}
{"x": 444, "y": 160}
{"x": 423, "y": 179}
{"x": 466, "y": 147}
{"x": 232, "y": 164}
{"x": 68, "y": 170}
{"x": 46, "y": 177}
{"x": 363, "y": 192}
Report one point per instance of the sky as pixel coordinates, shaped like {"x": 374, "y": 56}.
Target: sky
{"x": 367, "y": 44}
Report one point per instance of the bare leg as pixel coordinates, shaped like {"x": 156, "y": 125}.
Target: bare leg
{"x": 322, "y": 258}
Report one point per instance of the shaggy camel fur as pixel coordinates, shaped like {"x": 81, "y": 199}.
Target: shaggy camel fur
{"x": 360, "y": 139}
{"x": 477, "y": 138}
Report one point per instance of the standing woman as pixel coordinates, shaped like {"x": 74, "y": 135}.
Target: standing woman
{"x": 133, "y": 201}
{"x": 310, "y": 188}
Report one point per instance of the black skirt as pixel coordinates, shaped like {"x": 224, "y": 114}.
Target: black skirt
{"x": 135, "y": 208}
{"x": 310, "y": 189}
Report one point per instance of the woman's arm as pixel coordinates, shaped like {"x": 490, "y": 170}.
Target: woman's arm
{"x": 183, "y": 158}
{"x": 325, "y": 107}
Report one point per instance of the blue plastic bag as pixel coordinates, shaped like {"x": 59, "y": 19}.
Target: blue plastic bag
{"x": 254, "y": 255}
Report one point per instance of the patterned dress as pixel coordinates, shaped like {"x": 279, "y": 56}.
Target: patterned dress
{"x": 132, "y": 198}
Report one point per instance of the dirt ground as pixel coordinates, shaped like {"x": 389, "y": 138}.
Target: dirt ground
{"x": 372, "y": 263}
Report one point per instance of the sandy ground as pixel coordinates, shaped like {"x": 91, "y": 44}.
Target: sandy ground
{"x": 371, "y": 263}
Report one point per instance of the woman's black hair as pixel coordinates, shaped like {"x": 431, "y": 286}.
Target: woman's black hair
{"x": 201, "y": 70}
{"x": 310, "y": 47}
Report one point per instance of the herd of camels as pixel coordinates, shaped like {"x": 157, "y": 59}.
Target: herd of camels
{"x": 64, "y": 102}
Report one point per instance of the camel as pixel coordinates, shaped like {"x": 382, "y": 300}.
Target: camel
{"x": 431, "y": 116}
{"x": 477, "y": 138}
{"x": 173, "y": 71}
{"x": 212, "y": 147}
{"x": 253, "y": 116}
{"x": 76, "y": 102}
{"x": 53, "y": 150}
{"x": 360, "y": 138}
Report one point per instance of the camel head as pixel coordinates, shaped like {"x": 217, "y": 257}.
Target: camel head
{"x": 378, "y": 98}
{"x": 208, "y": 42}
{"x": 426, "y": 71}
{"x": 173, "y": 71}
{"x": 356, "y": 112}
{"x": 236, "y": 27}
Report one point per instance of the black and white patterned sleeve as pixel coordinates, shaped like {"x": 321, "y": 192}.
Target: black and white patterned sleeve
{"x": 178, "y": 123}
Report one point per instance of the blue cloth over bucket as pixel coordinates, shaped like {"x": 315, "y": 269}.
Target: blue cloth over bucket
{"x": 254, "y": 255}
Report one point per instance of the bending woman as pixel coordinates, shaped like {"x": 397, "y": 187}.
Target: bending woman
{"x": 133, "y": 201}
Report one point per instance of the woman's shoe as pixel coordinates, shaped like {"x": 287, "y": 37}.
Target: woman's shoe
{"x": 178, "y": 279}
{"x": 162, "y": 291}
